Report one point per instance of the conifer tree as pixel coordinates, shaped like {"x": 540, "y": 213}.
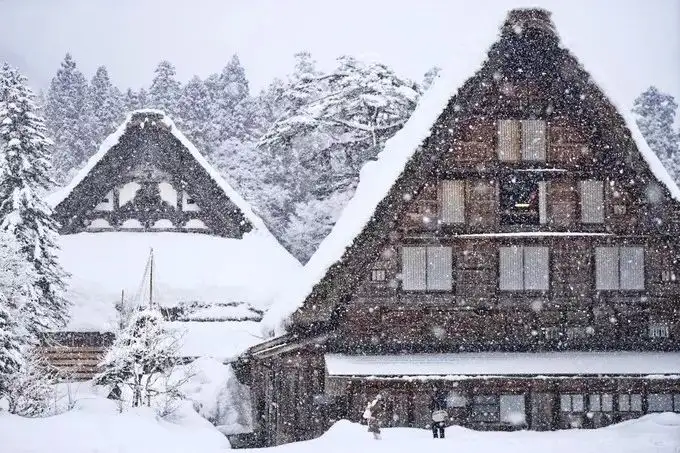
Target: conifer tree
{"x": 11, "y": 360}
{"x": 330, "y": 126}
{"x": 656, "y": 114}
{"x": 106, "y": 105}
{"x": 194, "y": 116}
{"x": 68, "y": 120}
{"x": 25, "y": 166}
{"x": 165, "y": 89}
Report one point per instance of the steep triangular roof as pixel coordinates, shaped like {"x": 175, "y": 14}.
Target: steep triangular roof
{"x": 116, "y": 152}
{"x": 528, "y": 41}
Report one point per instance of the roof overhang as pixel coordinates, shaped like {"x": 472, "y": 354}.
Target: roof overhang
{"x": 502, "y": 364}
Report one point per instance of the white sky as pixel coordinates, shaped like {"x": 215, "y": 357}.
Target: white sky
{"x": 638, "y": 40}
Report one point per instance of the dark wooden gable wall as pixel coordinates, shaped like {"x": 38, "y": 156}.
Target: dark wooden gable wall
{"x": 148, "y": 138}
{"x": 527, "y": 74}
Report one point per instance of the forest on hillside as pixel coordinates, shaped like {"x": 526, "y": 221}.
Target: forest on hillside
{"x": 294, "y": 150}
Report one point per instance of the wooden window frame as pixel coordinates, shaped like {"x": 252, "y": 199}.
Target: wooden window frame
{"x": 674, "y": 400}
{"x": 427, "y": 288}
{"x": 597, "y": 399}
{"x": 654, "y": 328}
{"x": 625, "y": 402}
{"x": 512, "y": 215}
{"x": 618, "y": 249}
{"x": 516, "y": 130}
{"x": 524, "y": 270}
{"x": 493, "y": 408}
{"x": 570, "y": 397}
{"x": 378, "y": 275}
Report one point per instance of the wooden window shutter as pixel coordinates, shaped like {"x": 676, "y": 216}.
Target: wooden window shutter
{"x": 592, "y": 201}
{"x": 536, "y": 268}
{"x": 543, "y": 202}
{"x": 508, "y": 140}
{"x": 533, "y": 140}
{"x": 606, "y": 268}
{"x": 439, "y": 267}
{"x": 632, "y": 264}
{"x": 414, "y": 268}
{"x": 453, "y": 202}
{"x": 510, "y": 268}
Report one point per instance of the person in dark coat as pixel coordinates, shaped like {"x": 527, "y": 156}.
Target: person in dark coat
{"x": 439, "y": 415}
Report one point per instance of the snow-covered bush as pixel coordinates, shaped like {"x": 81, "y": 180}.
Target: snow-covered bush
{"x": 29, "y": 389}
{"x": 142, "y": 360}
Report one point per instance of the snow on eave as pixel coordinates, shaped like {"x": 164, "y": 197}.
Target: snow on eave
{"x": 375, "y": 181}
{"x": 112, "y": 140}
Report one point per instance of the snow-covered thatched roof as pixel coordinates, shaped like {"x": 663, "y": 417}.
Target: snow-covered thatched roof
{"x": 377, "y": 178}
{"x": 151, "y": 116}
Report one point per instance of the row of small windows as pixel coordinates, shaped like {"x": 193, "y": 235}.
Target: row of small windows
{"x": 523, "y": 201}
{"x": 511, "y": 408}
{"x": 521, "y": 268}
{"x": 629, "y": 402}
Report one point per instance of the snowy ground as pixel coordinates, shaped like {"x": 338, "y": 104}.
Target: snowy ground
{"x": 658, "y": 433}
{"x": 96, "y": 426}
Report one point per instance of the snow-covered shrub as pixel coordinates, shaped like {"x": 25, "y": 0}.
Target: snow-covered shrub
{"x": 142, "y": 360}
{"x": 29, "y": 390}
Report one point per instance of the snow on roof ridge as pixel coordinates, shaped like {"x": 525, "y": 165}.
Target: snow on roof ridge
{"x": 112, "y": 140}
{"x": 377, "y": 177}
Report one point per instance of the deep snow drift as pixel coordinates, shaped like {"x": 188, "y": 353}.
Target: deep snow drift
{"x": 659, "y": 433}
{"x": 98, "y": 427}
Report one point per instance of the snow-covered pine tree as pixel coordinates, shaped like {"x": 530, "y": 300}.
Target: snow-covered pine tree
{"x": 227, "y": 90}
{"x": 194, "y": 115}
{"x": 25, "y": 166}
{"x": 656, "y": 112}
{"x": 68, "y": 120}
{"x": 165, "y": 89}
{"x": 11, "y": 359}
{"x": 106, "y": 105}
{"x": 332, "y": 124}
{"x": 141, "y": 358}
{"x": 30, "y": 389}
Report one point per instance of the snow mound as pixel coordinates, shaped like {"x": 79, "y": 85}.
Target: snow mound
{"x": 658, "y": 433}
{"x": 95, "y": 425}
{"x": 217, "y": 395}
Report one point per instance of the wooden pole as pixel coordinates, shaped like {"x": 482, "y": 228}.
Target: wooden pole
{"x": 151, "y": 282}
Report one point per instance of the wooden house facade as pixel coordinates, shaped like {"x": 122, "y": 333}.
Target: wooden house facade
{"x": 522, "y": 266}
